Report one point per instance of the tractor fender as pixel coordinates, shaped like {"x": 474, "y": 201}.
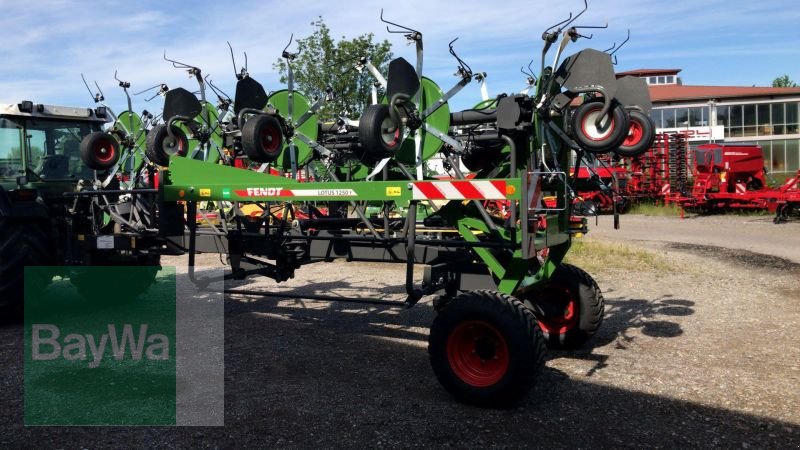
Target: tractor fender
{"x": 21, "y": 209}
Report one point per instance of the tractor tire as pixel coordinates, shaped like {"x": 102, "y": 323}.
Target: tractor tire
{"x": 376, "y": 141}
{"x": 127, "y": 286}
{"x": 641, "y": 134}
{"x": 99, "y": 150}
{"x": 600, "y": 140}
{"x": 161, "y": 146}
{"x": 22, "y": 243}
{"x": 486, "y": 349}
{"x": 262, "y": 138}
{"x": 569, "y": 308}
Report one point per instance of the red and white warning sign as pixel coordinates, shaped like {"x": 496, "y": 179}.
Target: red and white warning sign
{"x": 459, "y": 190}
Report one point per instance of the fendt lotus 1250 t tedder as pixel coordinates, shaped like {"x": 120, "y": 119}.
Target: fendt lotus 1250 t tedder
{"x": 259, "y": 179}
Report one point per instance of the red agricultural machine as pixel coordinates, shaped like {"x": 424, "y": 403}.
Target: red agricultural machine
{"x": 729, "y": 176}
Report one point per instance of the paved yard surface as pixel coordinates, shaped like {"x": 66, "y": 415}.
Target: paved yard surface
{"x": 701, "y": 351}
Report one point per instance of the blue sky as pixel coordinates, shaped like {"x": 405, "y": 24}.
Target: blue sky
{"x": 48, "y": 43}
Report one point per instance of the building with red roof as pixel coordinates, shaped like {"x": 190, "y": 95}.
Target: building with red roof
{"x": 767, "y": 116}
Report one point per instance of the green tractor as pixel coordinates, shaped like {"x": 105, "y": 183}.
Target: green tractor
{"x": 59, "y": 198}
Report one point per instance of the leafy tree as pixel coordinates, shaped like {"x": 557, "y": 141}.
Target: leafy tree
{"x": 324, "y": 62}
{"x": 783, "y": 81}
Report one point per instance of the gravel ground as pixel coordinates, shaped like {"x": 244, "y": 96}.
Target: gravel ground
{"x": 703, "y": 354}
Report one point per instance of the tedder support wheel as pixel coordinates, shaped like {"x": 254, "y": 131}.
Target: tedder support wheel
{"x": 127, "y": 286}
{"x": 99, "y": 150}
{"x": 160, "y": 145}
{"x": 569, "y": 308}
{"x": 262, "y": 138}
{"x": 609, "y": 135}
{"x": 486, "y": 349}
{"x": 641, "y": 134}
{"x": 380, "y": 137}
{"x": 22, "y": 243}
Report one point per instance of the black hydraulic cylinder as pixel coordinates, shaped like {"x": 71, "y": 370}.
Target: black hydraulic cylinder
{"x": 473, "y": 117}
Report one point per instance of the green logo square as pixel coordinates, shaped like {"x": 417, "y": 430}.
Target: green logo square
{"x": 100, "y": 345}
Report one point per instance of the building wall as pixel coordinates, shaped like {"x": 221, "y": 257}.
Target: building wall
{"x": 774, "y": 124}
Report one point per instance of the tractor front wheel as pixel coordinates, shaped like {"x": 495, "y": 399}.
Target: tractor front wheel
{"x": 569, "y": 308}
{"x": 486, "y": 349}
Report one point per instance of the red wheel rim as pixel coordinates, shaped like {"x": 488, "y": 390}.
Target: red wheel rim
{"x": 270, "y": 138}
{"x": 590, "y": 130}
{"x": 178, "y": 144}
{"x": 391, "y": 138}
{"x": 635, "y": 134}
{"x": 567, "y": 306}
{"x": 477, "y": 353}
{"x": 104, "y": 151}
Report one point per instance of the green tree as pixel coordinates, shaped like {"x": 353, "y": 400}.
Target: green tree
{"x": 324, "y": 62}
{"x": 783, "y": 81}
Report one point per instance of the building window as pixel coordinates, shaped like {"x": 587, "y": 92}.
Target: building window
{"x": 670, "y": 79}
{"x": 792, "y": 155}
{"x": 734, "y": 129}
{"x": 656, "y": 116}
{"x": 778, "y": 118}
{"x": 750, "y": 123}
{"x": 652, "y": 80}
{"x": 722, "y": 116}
{"x": 669, "y": 118}
{"x": 697, "y": 117}
{"x": 791, "y": 118}
{"x": 778, "y": 156}
{"x": 682, "y": 117}
{"x": 765, "y": 126}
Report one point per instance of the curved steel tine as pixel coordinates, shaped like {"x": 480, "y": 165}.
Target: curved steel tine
{"x": 97, "y": 97}
{"x": 623, "y": 42}
{"x": 233, "y": 60}
{"x": 559, "y": 23}
{"x": 404, "y": 28}
{"x": 610, "y": 48}
{"x": 531, "y": 71}
{"x": 462, "y": 65}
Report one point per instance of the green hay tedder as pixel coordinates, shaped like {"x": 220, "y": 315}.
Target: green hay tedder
{"x": 261, "y": 180}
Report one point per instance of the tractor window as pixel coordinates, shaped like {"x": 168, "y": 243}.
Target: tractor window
{"x": 10, "y": 149}
{"x": 54, "y": 148}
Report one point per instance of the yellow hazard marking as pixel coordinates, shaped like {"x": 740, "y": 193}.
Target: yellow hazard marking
{"x": 394, "y": 191}
{"x": 205, "y": 192}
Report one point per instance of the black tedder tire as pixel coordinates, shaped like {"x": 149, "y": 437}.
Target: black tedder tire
{"x": 22, "y": 243}
{"x": 262, "y": 138}
{"x": 99, "y": 150}
{"x": 161, "y": 146}
{"x": 609, "y": 136}
{"x": 373, "y": 130}
{"x": 486, "y": 349}
{"x": 641, "y": 134}
{"x": 127, "y": 286}
{"x": 569, "y": 308}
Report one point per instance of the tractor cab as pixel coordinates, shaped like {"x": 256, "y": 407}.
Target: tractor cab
{"x": 41, "y": 143}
